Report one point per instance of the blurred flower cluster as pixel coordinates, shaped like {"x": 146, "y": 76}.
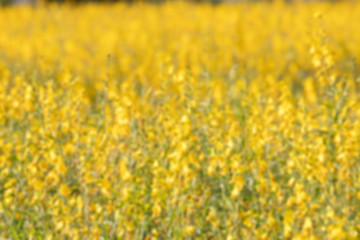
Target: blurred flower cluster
{"x": 180, "y": 121}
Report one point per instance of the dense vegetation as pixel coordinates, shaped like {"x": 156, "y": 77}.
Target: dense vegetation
{"x": 180, "y": 121}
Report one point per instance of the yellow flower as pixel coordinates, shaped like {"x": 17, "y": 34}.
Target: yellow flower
{"x": 190, "y": 230}
{"x": 308, "y": 225}
{"x": 64, "y": 190}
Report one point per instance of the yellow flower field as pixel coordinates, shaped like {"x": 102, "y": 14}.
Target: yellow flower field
{"x": 180, "y": 121}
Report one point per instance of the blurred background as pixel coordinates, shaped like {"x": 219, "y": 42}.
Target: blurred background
{"x": 35, "y": 2}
